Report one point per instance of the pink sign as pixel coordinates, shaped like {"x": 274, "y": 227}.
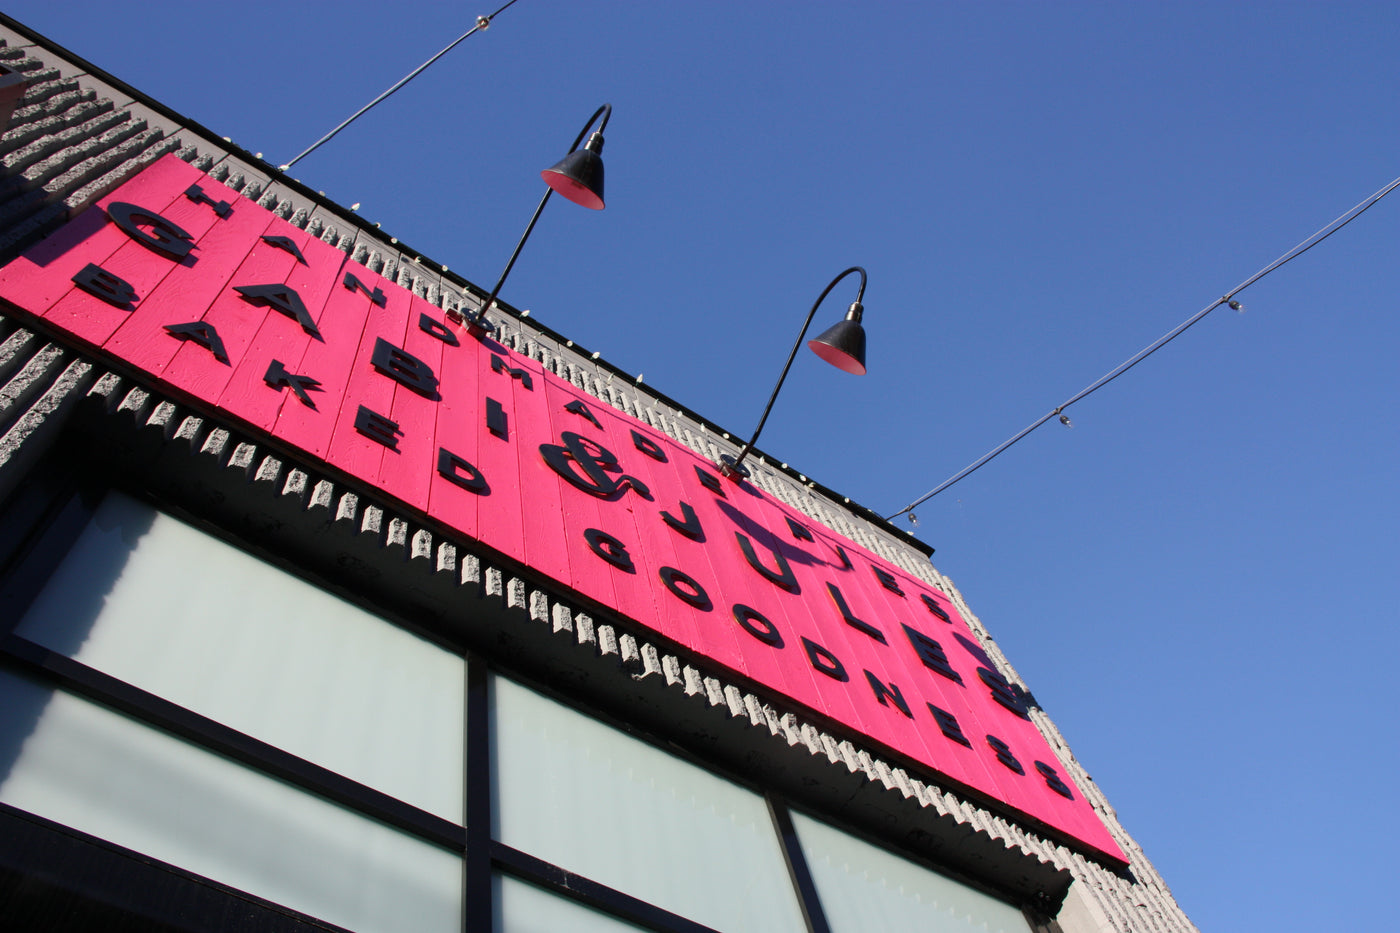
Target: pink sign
{"x": 224, "y": 303}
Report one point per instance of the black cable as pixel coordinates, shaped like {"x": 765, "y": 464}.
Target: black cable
{"x": 1227, "y": 299}
{"x": 481, "y": 23}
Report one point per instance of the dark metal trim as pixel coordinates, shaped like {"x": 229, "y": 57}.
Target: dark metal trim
{"x": 1039, "y": 922}
{"x": 591, "y": 893}
{"x": 55, "y": 879}
{"x": 798, "y": 869}
{"x": 38, "y": 526}
{"x": 478, "y": 892}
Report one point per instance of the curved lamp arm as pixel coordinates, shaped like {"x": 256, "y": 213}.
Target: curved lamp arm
{"x": 733, "y": 468}
{"x": 477, "y": 323}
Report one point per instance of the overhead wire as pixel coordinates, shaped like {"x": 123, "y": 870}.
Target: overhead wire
{"x": 1227, "y": 299}
{"x": 482, "y": 22}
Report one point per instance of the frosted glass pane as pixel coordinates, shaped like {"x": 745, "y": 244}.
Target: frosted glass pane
{"x": 864, "y": 887}
{"x": 152, "y": 601}
{"x": 104, "y": 774}
{"x": 590, "y": 799}
{"x": 524, "y": 908}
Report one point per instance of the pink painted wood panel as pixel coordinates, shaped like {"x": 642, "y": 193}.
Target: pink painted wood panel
{"x": 131, "y": 262}
{"x": 271, "y": 335}
{"x": 341, "y": 319}
{"x": 277, "y": 336}
{"x": 187, "y": 292}
{"x": 44, "y": 274}
{"x": 193, "y": 283}
{"x": 410, "y": 469}
{"x": 350, "y": 449}
{"x": 500, "y": 515}
{"x": 668, "y": 484}
{"x": 630, "y": 593}
{"x": 532, "y": 514}
{"x": 541, "y": 494}
{"x": 460, "y": 429}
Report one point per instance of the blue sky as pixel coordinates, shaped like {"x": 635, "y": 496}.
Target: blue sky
{"x": 1199, "y": 579}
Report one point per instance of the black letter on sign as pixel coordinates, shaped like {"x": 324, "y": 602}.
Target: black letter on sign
{"x": 1004, "y": 754}
{"x": 756, "y": 625}
{"x": 353, "y": 284}
{"x": 578, "y": 408}
{"x": 709, "y": 481}
{"x": 841, "y": 553}
{"x": 886, "y": 692}
{"x": 648, "y": 446}
{"x": 203, "y": 334}
{"x": 934, "y": 608}
{"x": 498, "y": 365}
{"x": 596, "y": 461}
{"x": 932, "y": 654}
{"x": 287, "y": 244}
{"x": 781, "y": 577}
{"x": 690, "y": 527}
{"x": 277, "y": 377}
{"x": 98, "y": 282}
{"x": 456, "y": 470}
{"x": 404, "y": 367}
{"x": 197, "y": 195}
{"x": 824, "y": 660}
{"x": 887, "y": 580}
{"x": 850, "y": 618}
{"x": 281, "y": 298}
{"x": 496, "y": 419}
{"x": 377, "y": 428}
{"x": 1053, "y": 781}
{"x": 799, "y": 531}
{"x": 1003, "y": 692}
{"x": 610, "y": 549}
{"x": 948, "y": 725}
{"x": 163, "y": 237}
{"x": 686, "y": 588}
{"x": 431, "y": 325}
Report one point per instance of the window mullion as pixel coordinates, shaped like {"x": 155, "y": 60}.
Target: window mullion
{"x": 797, "y": 866}
{"x": 591, "y": 893}
{"x": 476, "y": 870}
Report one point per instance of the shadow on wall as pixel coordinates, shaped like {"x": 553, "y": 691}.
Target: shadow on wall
{"x": 64, "y": 611}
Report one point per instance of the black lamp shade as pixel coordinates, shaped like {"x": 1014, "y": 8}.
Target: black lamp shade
{"x": 579, "y": 175}
{"x": 842, "y": 345}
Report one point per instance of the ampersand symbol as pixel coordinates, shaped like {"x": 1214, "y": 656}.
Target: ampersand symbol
{"x": 596, "y": 462}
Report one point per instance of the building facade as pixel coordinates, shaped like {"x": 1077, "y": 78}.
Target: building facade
{"x": 321, "y": 612}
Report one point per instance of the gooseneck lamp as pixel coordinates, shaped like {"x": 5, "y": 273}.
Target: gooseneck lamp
{"x": 578, "y": 177}
{"x": 842, "y": 345}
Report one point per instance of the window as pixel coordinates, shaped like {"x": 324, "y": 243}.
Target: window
{"x": 864, "y": 887}
{"x": 524, "y": 908}
{"x": 170, "y": 694}
{"x": 98, "y": 771}
{"x": 165, "y": 607}
{"x": 595, "y": 801}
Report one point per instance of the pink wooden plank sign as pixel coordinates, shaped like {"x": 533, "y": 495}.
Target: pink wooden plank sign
{"x": 349, "y": 368}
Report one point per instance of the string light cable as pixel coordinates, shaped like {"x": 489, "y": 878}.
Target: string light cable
{"x": 1228, "y": 299}
{"x": 482, "y": 22}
